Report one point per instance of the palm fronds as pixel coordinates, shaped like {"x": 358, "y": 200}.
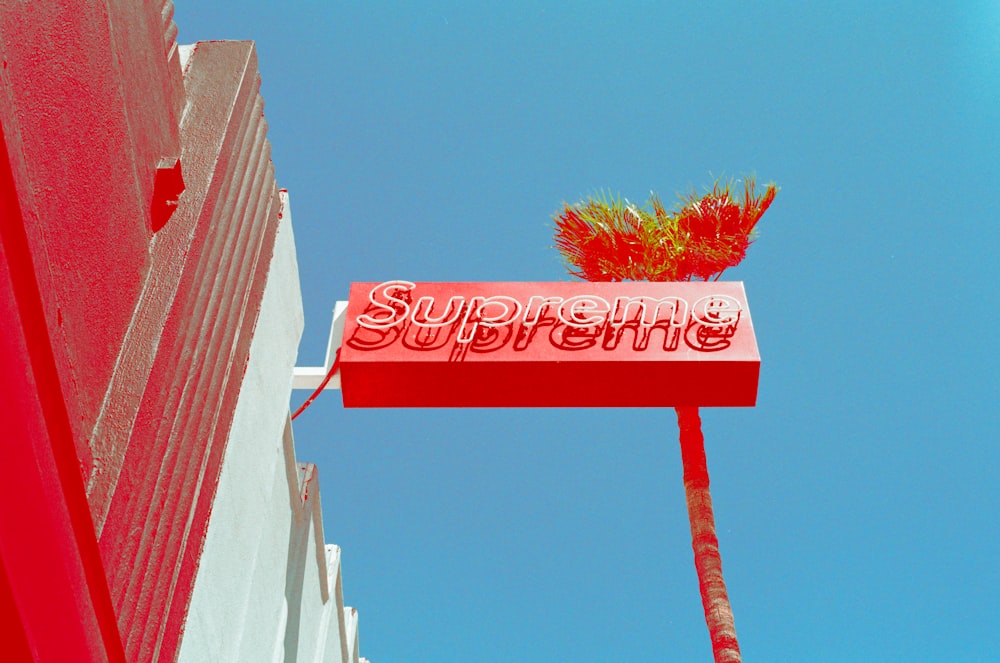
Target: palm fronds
{"x": 604, "y": 238}
{"x": 608, "y": 239}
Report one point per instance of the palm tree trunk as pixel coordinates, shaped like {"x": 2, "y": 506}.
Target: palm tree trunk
{"x": 707, "y": 561}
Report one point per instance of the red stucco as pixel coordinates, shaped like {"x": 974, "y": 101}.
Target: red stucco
{"x": 126, "y": 319}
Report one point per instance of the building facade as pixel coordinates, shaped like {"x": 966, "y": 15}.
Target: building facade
{"x": 152, "y": 505}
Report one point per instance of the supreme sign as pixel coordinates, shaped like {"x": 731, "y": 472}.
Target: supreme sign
{"x": 579, "y": 344}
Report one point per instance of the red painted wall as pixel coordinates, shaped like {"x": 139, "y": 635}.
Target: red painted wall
{"x": 88, "y": 112}
{"x": 54, "y": 572}
{"x": 124, "y": 342}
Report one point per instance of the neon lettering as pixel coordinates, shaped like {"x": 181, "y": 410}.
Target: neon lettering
{"x": 584, "y": 311}
{"x": 451, "y": 314}
{"x": 577, "y": 321}
{"x": 678, "y": 311}
{"x": 538, "y": 304}
{"x": 506, "y": 310}
{"x": 396, "y": 314}
{"x": 716, "y": 310}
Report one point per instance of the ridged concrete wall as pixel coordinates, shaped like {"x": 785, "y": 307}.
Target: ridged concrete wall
{"x": 267, "y": 587}
{"x": 127, "y": 336}
{"x": 183, "y": 418}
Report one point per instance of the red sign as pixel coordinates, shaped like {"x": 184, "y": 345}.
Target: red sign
{"x": 573, "y": 344}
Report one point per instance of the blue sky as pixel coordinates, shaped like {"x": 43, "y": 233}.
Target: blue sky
{"x": 858, "y": 505}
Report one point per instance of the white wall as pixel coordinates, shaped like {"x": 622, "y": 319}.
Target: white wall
{"x": 268, "y": 588}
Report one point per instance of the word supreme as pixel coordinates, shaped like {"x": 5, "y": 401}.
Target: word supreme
{"x": 392, "y": 304}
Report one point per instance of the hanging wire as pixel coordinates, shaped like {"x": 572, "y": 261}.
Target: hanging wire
{"x": 322, "y": 385}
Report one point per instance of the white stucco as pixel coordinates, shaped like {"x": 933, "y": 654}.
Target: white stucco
{"x": 311, "y": 377}
{"x": 268, "y": 588}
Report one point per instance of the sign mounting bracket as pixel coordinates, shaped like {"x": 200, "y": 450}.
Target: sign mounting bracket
{"x": 310, "y": 377}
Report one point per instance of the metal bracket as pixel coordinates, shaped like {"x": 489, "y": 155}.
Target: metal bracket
{"x": 310, "y": 377}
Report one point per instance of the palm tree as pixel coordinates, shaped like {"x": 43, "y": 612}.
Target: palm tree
{"x": 608, "y": 239}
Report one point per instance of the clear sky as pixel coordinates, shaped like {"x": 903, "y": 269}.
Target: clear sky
{"x": 858, "y": 505}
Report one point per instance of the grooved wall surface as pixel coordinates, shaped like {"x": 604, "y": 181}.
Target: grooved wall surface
{"x": 266, "y": 579}
{"x": 159, "y": 505}
{"x": 87, "y": 115}
{"x": 125, "y": 350}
